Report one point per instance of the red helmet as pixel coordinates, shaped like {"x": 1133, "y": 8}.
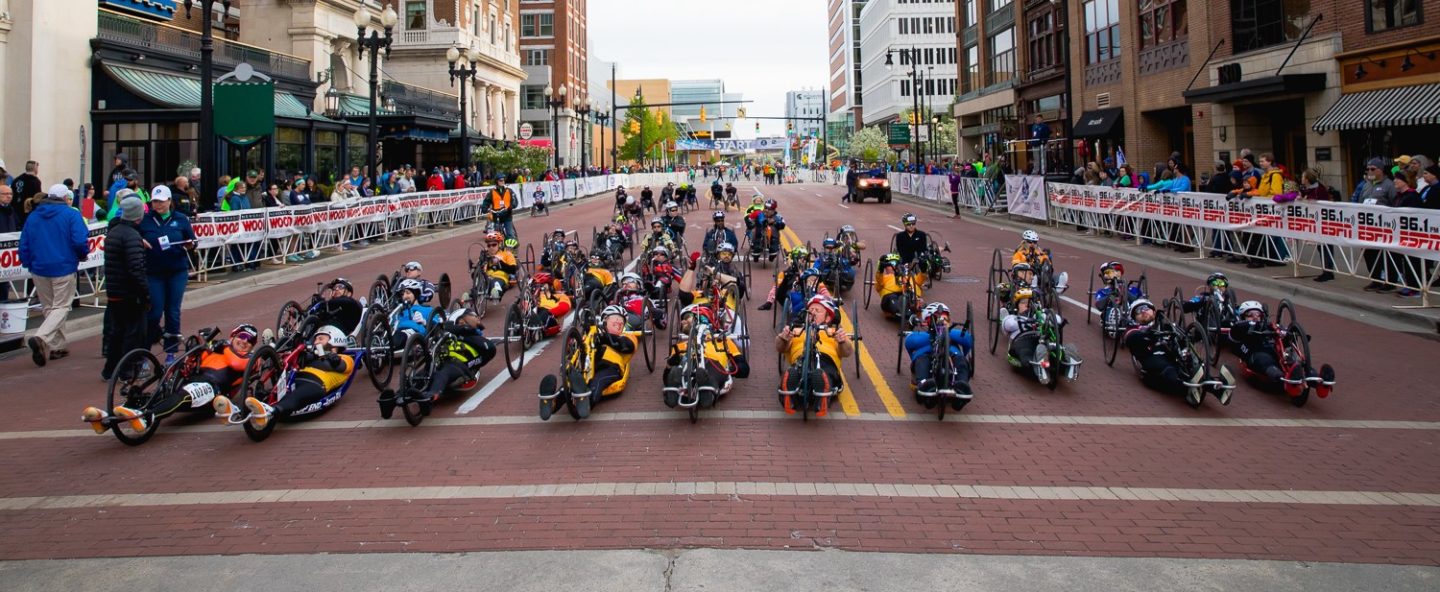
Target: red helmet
{"x": 542, "y": 278}
{"x": 635, "y": 305}
{"x": 699, "y": 309}
{"x": 1115, "y": 265}
{"x": 771, "y": 204}
{"x": 828, "y": 303}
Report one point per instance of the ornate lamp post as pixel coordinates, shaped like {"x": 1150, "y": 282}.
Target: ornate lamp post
{"x": 459, "y": 69}
{"x": 556, "y": 102}
{"x": 207, "y": 99}
{"x": 374, "y": 42}
{"x": 583, "y": 108}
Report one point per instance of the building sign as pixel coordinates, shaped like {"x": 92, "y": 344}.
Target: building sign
{"x": 527, "y": 131}
{"x": 899, "y": 136}
{"x": 244, "y": 104}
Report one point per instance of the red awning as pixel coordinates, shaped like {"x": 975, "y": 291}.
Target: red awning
{"x": 541, "y": 142}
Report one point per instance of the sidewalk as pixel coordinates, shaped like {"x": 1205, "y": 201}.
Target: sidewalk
{"x": 1344, "y": 296}
{"x": 710, "y": 570}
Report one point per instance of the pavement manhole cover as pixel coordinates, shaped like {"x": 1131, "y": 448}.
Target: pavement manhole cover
{"x": 961, "y": 279}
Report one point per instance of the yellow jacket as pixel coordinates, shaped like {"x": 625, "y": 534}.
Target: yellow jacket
{"x": 887, "y": 284}
{"x": 824, "y": 343}
{"x": 331, "y": 379}
{"x": 1272, "y": 183}
{"x": 611, "y": 356}
{"x": 720, "y": 352}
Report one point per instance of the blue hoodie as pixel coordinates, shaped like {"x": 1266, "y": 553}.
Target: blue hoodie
{"x": 54, "y": 240}
{"x": 917, "y": 343}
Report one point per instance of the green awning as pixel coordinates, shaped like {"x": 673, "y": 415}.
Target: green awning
{"x": 183, "y": 92}
{"x": 358, "y": 106}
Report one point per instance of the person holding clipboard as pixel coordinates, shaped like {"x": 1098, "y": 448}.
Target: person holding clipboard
{"x": 168, "y": 236}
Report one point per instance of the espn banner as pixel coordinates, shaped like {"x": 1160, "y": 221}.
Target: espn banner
{"x": 1409, "y": 231}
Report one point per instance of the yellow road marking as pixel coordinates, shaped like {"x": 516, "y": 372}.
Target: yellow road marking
{"x": 862, "y": 356}
{"x": 848, "y": 404}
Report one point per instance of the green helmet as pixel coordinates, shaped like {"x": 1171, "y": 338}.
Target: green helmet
{"x": 799, "y": 252}
{"x": 890, "y": 259}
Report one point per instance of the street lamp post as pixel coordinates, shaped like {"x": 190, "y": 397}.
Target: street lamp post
{"x": 582, "y": 108}
{"x": 374, "y": 43}
{"x": 602, "y": 116}
{"x": 640, "y": 146}
{"x": 934, "y": 137}
{"x": 208, "y": 174}
{"x": 459, "y": 69}
{"x": 556, "y": 102}
{"x": 911, "y": 54}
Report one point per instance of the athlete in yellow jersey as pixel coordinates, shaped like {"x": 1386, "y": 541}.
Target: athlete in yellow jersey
{"x": 723, "y": 360}
{"x": 503, "y": 266}
{"x": 614, "y": 346}
{"x": 1029, "y": 250}
{"x": 888, "y": 287}
{"x": 831, "y": 344}
{"x": 323, "y": 368}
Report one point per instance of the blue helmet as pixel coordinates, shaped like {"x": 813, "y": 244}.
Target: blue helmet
{"x": 830, "y": 243}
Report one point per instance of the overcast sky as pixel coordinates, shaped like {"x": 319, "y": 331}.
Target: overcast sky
{"x": 762, "y": 48}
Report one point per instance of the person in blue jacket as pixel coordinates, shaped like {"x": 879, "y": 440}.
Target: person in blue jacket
{"x": 168, "y": 240}
{"x": 413, "y": 316}
{"x": 831, "y": 260}
{"x": 919, "y": 343}
{"x": 53, "y": 242}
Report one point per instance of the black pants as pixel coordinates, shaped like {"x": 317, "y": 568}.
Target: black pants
{"x": 1023, "y": 348}
{"x": 830, "y": 379}
{"x": 955, "y": 201}
{"x": 446, "y": 374}
{"x": 1161, "y": 374}
{"x": 126, "y": 321}
{"x": 890, "y": 304}
{"x": 602, "y": 380}
{"x": 307, "y": 391}
{"x": 920, "y": 368}
{"x": 1263, "y": 363}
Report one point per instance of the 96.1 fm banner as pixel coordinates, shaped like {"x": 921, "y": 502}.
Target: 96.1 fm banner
{"x": 10, "y": 268}
{"x": 1409, "y": 231}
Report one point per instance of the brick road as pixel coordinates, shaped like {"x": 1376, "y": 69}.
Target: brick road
{"x": 1370, "y": 451}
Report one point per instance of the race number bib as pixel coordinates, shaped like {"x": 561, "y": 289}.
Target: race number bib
{"x": 164, "y": 242}
{"x": 417, "y": 317}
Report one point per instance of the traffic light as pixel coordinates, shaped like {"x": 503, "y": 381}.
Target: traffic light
{"x": 702, "y": 113}
{"x": 790, "y": 128}
{"x": 635, "y": 126}
{"x": 757, "y": 127}
{"x": 740, "y": 113}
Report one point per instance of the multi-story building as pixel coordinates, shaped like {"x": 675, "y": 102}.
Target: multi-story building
{"x": 1389, "y": 101}
{"x": 845, "y": 107}
{"x": 655, "y": 91}
{"x": 806, "y": 104}
{"x": 710, "y": 91}
{"x": 45, "y": 61}
{"x": 988, "y": 58}
{"x": 553, "y": 45}
{"x": 908, "y": 56}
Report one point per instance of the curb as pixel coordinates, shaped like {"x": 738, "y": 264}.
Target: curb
{"x": 1340, "y": 303}
{"x": 90, "y": 325}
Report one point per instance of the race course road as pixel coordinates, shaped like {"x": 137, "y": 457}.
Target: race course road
{"x": 1099, "y": 467}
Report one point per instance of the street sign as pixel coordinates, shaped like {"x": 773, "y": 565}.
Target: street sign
{"x": 526, "y": 131}
{"x": 899, "y": 136}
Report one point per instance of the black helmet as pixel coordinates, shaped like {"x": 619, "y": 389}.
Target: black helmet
{"x": 718, "y": 216}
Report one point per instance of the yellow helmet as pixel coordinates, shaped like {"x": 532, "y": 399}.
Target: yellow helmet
{"x": 1024, "y": 293}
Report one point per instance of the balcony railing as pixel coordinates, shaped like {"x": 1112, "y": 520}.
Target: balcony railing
{"x": 184, "y": 44}
{"x": 447, "y": 37}
{"x": 416, "y": 100}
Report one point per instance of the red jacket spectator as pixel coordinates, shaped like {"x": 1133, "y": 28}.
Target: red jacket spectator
{"x": 436, "y": 182}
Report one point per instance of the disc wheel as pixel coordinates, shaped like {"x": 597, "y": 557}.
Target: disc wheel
{"x": 443, "y": 289}
{"x": 648, "y": 344}
{"x": 135, "y": 384}
{"x": 262, "y": 377}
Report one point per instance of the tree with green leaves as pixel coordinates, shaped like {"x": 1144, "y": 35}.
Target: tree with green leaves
{"x": 505, "y": 160}
{"x": 656, "y": 130}
{"x": 869, "y": 144}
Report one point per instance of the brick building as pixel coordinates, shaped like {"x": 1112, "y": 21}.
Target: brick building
{"x": 553, "y": 41}
{"x": 843, "y": 17}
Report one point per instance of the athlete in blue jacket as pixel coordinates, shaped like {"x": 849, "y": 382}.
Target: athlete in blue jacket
{"x": 919, "y": 343}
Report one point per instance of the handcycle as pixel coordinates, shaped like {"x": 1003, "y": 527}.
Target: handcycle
{"x": 421, "y": 357}
{"x": 811, "y": 372}
{"x": 909, "y": 305}
{"x": 1115, "y": 317}
{"x": 1292, "y": 352}
{"x": 932, "y": 262}
{"x": 942, "y": 366}
{"x": 270, "y": 373}
{"x": 142, "y": 383}
{"x": 479, "y": 296}
{"x": 1190, "y": 344}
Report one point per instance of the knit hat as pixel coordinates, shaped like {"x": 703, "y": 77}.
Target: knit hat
{"x": 1375, "y": 162}
{"x": 132, "y": 209}
{"x": 1433, "y": 169}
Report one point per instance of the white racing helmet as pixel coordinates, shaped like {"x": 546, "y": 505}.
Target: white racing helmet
{"x": 338, "y": 338}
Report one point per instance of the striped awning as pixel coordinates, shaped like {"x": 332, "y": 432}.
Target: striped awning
{"x": 1391, "y": 107}
{"x": 183, "y": 92}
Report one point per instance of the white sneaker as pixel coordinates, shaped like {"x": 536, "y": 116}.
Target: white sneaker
{"x": 259, "y": 412}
